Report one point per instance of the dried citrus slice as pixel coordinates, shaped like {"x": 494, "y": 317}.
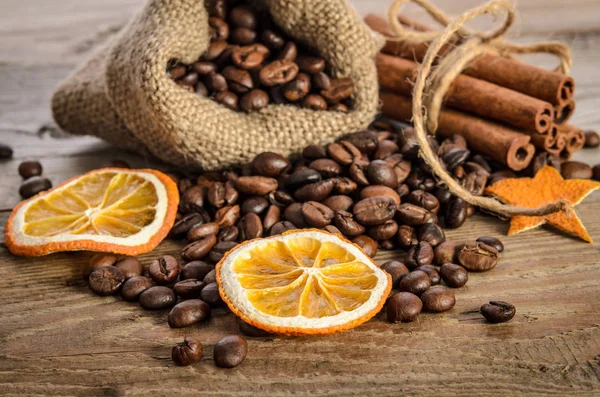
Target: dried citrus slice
{"x": 111, "y": 210}
{"x": 301, "y": 283}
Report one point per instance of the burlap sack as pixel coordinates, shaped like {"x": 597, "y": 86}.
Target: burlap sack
{"x": 124, "y": 95}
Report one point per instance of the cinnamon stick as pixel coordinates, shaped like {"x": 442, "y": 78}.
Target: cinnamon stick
{"x": 562, "y": 113}
{"x": 472, "y": 95}
{"x": 549, "y": 86}
{"x": 496, "y": 141}
{"x": 575, "y": 137}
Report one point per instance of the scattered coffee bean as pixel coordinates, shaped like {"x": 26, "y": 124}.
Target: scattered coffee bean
{"x": 384, "y": 231}
{"x": 269, "y": 164}
{"x": 492, "y": 242}
{"x": 6, "y": 152}
{"x": 438, "y": 299}
{"x": 28, "y": 169}
{"x": 347, "y": 225}
{"x": 412, "y": 215}
{"x": 250, "y": 227}
{"x": 380, "y": 190}
{"x": 195, "y": 270}
{"x": 498, "y": 312}
{"x": 211, "y": 277}
{"x": 133, "y": 287}
{"x": 368, "y": 245}
{"x": 424, "y": 199}
{"x": 189, "y": 289}
{"x": 164, "y": 270}
{"x": 432, "y": 272}
{"x": 575, "y": 170}
{"x": 33, "y": 186}
{"x": 106, "y": 280}
{"x": 256, "y": 185}
{"x": 454, "y": 276}
{"x": 188, "y": 312}
{"x": 281, "y": 227}
{"x": 220, "y": 249}
{"x": 403, "y": 307}
{"x": 456, "y": 213}
{"x": 210, "y": 295}
{"x": 339, "y": 203}
{"x": 396, "y": 269}
{"x": 202, "y": 230}
{"x": 317, "y": 214}
{"x": 130, "y": 267}
{"x": 230, "y": 351}
{"x": 199, "y": 249}
{"x": 432, "y": 234}
{"x": 187, "y": 353}
{"x": 419, "y": 254}
{"x": 374, "y": 210}
{"x": 407, "y": 236}
{"x": 445, "y": 252}
{"x": 477, "y": 257}
{"x": 101, "y": 260}
{"x": 157, "y": 298}
{"x": 592, "y": 139}
{"x": 183, "y": 226}
{"x": 415, "y": 282}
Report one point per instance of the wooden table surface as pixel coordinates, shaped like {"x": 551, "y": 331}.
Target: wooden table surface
{"x": 57, "y": 338}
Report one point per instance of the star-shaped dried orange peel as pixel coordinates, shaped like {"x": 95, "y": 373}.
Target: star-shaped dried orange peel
{"x": 547, "y": 187}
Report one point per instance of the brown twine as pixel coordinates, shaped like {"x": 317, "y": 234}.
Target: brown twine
{"x": 437, "y": 82}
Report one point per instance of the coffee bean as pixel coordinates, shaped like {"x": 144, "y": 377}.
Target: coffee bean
{"x": 281, "y": 227}
{"x": 189, "y": 289}
{"x": 158, "y": 298}
{"x": 204, "y": 67}
{"x": 183, "y": 226}
{"x": 278, "y": 73}
{"x": 297, "y": 89}
{"x": 6, "y": 152}
{"x": 310, "y": 64}
{"x": 366, "y": 141}
{"x": 344, "y": 153}
{"x": 280, "y": 198}
{"x": 195, "y": 270}
{"x": 543, "y": 159}
{"x": 130, "y": 267}
{"x": 432, "y": 272}
{"x": 243, "y": 16}
{"x": 407, "y": 236}
{"x": 106, "y": 280}
{"x": 412, "y": 215}
{"x": 187, "y": 353}
{"x": 403, "y": 307}
{"x": 498, "y": 312}
{"x": 230, "y": 351}
{"x": 455, "y": 157}
{"x": 256, "y": 185}
{"x": 474, "y": 183}
{"x": 380, "y": 190}
{"x": 432, "y": 234}
{"x": 269, "y": 164}
{"x": 396, "y": 269}
{"x": 443, "y": 195}
{"x": 368, "y": 245}
{"x": 195, "y": 196}
{"x": 302, "y": 177}
{"x": 216, "y": 195}
{"x": 33, "y": 186}
{"x": 348, "y": 226}
{"x": 211, "y": 277}
{"x": 210, "y": 295}
{"x": 492, "y": 242}
{"x": 315, "y": 191}
{"x": 201, "y": 231}
{"x": 199, "y": 249}
{"x": 596, "y": 172}
{"x": 317, "y": 214}
{"x": 164, "y": 270}
{"x": 326, "y": 167}
{"x": 313, "y": 152}
{"x": 575, "y": 170}
{"x": 190, "y": 79}
{"x": 188, "y": 312}
{"x": 445, "y": 252}
{"x": 456, "y": 213}
{"x": 227, "y": 216}
{"x": 417, "y": 255}
{"x": 255, "y": 204}
{"x": 294, "y": 214}
{"x": 28, "y": 169}
{"x": 340, "y": 89}
{"x": 133, "y": 287}
{"x": 374, "y": 210}
{"x": 289, "y": 52}
{"x": 385, "y": 149}
{"x": 415, "y": 282}
{"x": 314, "y": 102}
{"x": 252, "y": 331}
{"x": 101, "y": 260}
{"x": 345, "y": 186}
{"x": 380, "y": 172}
{"x": 454, "y": 276}
{"x": 438, "y": 299}
{"x": 254, "y": 100}
{"x": 358, "y": 174}
{"x": 272, "y": 216}
{"x": 424, "y": 199}
{"x": 477, "y": 257}
{"x": 219, "y": 27}
{"x": 250, "y": 227}
{"x": 592, "y": 139}
{"x": 321, "y": 81}
{"x": 384, "y": 231}
{"x": 243, "y": 36}
{"x": 339, "y": 203}
{"x": 403, "y": 191}
{"x": 272, "y": 39}
{"x": 220, "y": 249}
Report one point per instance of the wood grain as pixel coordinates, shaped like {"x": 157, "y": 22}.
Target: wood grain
{"x": 57, "y": 338}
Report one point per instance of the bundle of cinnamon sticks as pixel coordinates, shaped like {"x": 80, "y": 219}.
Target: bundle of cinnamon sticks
{"x": 504, "y": 108}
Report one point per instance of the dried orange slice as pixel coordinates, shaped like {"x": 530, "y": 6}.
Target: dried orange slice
{"x": 302, "y": 283}
{"x": 109, "y": 210}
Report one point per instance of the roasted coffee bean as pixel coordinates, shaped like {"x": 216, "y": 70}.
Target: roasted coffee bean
{"x": 216, "y": 82}
{"x": 229, "y": 233}
{"x": 101, "y": 260}
{"x": 575, "y": 170}
{"x": 384, "y": 231}
{"x": 33, "y": 186}
{"x": 455, "y": 157}
{"x": 455, "y": 276}
{"x": 202, "y": 230}
{"x": 220, "y": 28}
{"x": 313, "y": 152}
{"x": 106, "y": 280}
{"x": 272, "y": 39}
{"x": 164, "y": 270}
{"x": 215, "y": 49}
{"x": 204, "y": 67}
{"x": 182, "y": 227}
{"x": 314, "y": 102}
{"x": 443, "y": 195}
{"x": 477, "y": 257}
{"x": 269, "y": 164}
{"x": 211, "y": 277}
{"x": 419, "y": 254}
{"x": 302, "y": 177}
{"x": 250, "y": 227}
{"x": 255, "y": 204}
{"x": 220, "y": 249}
{"x": 385, "y": 149}
{"x": 348, "y": 226}
{"x": 424, "y": 199}
{"x": 438, "y": 299}
{"x": 492, "y": 242}
{"x": 187, "y": 313}
{"x": 210, "y": 295}
{"x": 230, "y": 351}
{"x": 474, "y": 183}
{"x": 294, "y": 214}
{"x": 432, "y": 272}
{"x": 195, "y": 195}
{"x": 403, "y": 191}
{"x": 403, "y": 307}
{"x": 243, "y": 36}
{"x": 592, "y": 139}
{"x": 380, "y": 190}
{"x": 407, "y": 236}
{"x": 315, "y": 191}
{"x": 321, "y": 81}
{"x": 254, "y": 100}
{"x": 216, "y": 194}
{"x": 596, "y": 172}
{"x": 6, "y": 152}
{"x": 339, "y": 203}
{"x": 445, "y": 252}
{"x": 199, "y": 249}
{"x": 249, "y": 57}
{"x": 297, "y": 89}
{"x": 187, "y": 353}
{"x": 358, "y": 174}
{"x": 191, "y": 78}
{"x": 340, "y": 89}
{"x": 432, "y": 234}
{"x": 310, "y": 64}
{"x": 280, "y": 198}
{"x": 133, "y": 287}
{"x": 500, "y": 175}
{"x": 326, "y": 167}
{"x": 374, "y": 210}
{"x": 456, "y": 213}
{"x": 344, "y": 153}
{"x": 227, "y": 216}
{"x": 366, "y": 141}
{"x": 228, "y": 99}
{"x": 412, "y": 215}
{"x": 345, "y": 186}
{"x": 543, "y": 159}
{"x": 217, "y": 8}
{"x": 396, "y": 269}
{"x": 498, "y": 312}
{"x": 243, "y": 16}
{"x": 368, "y": 245}
{"x": 402, "y": 168}
{"x": 415, "y": 282}
{"x": 281, "y": 227}
{"x": 288, "y": 53}
{"x": 189, "y": 289}
{"x": 278, "y": 73}
{"x": 195, "y": 270}
{"x": 130, "y": 267}
{"x": 158, "y": 298}
{"x": 380, "y": 172}
{"x": 256, "y": 185}
{"x": 28, "y": 169}
{"x": 177, "y": 72}
{"x": 272, "y": 216}
{"x": 317, "y": 214}
{"x": 252, "y": 331}
{"x": 333, "y": 230}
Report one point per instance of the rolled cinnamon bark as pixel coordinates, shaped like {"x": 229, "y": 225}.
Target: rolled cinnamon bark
{"x": 472, "y": 95}
{"x": 575, "y": 137}
{"x": 559, "y": 145}
{"x": 562, "y": 113}
{"x": 546, "y": 141}
{"x": 553, "y": 87}
{"x": 498, "y": 142}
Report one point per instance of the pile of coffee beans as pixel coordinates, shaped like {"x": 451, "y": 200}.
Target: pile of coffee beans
{"x": 33, "y": 182}
{"x": 251, "y": 63}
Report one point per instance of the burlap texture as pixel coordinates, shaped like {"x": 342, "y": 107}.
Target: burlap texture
{"x": 124, "y": 95}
